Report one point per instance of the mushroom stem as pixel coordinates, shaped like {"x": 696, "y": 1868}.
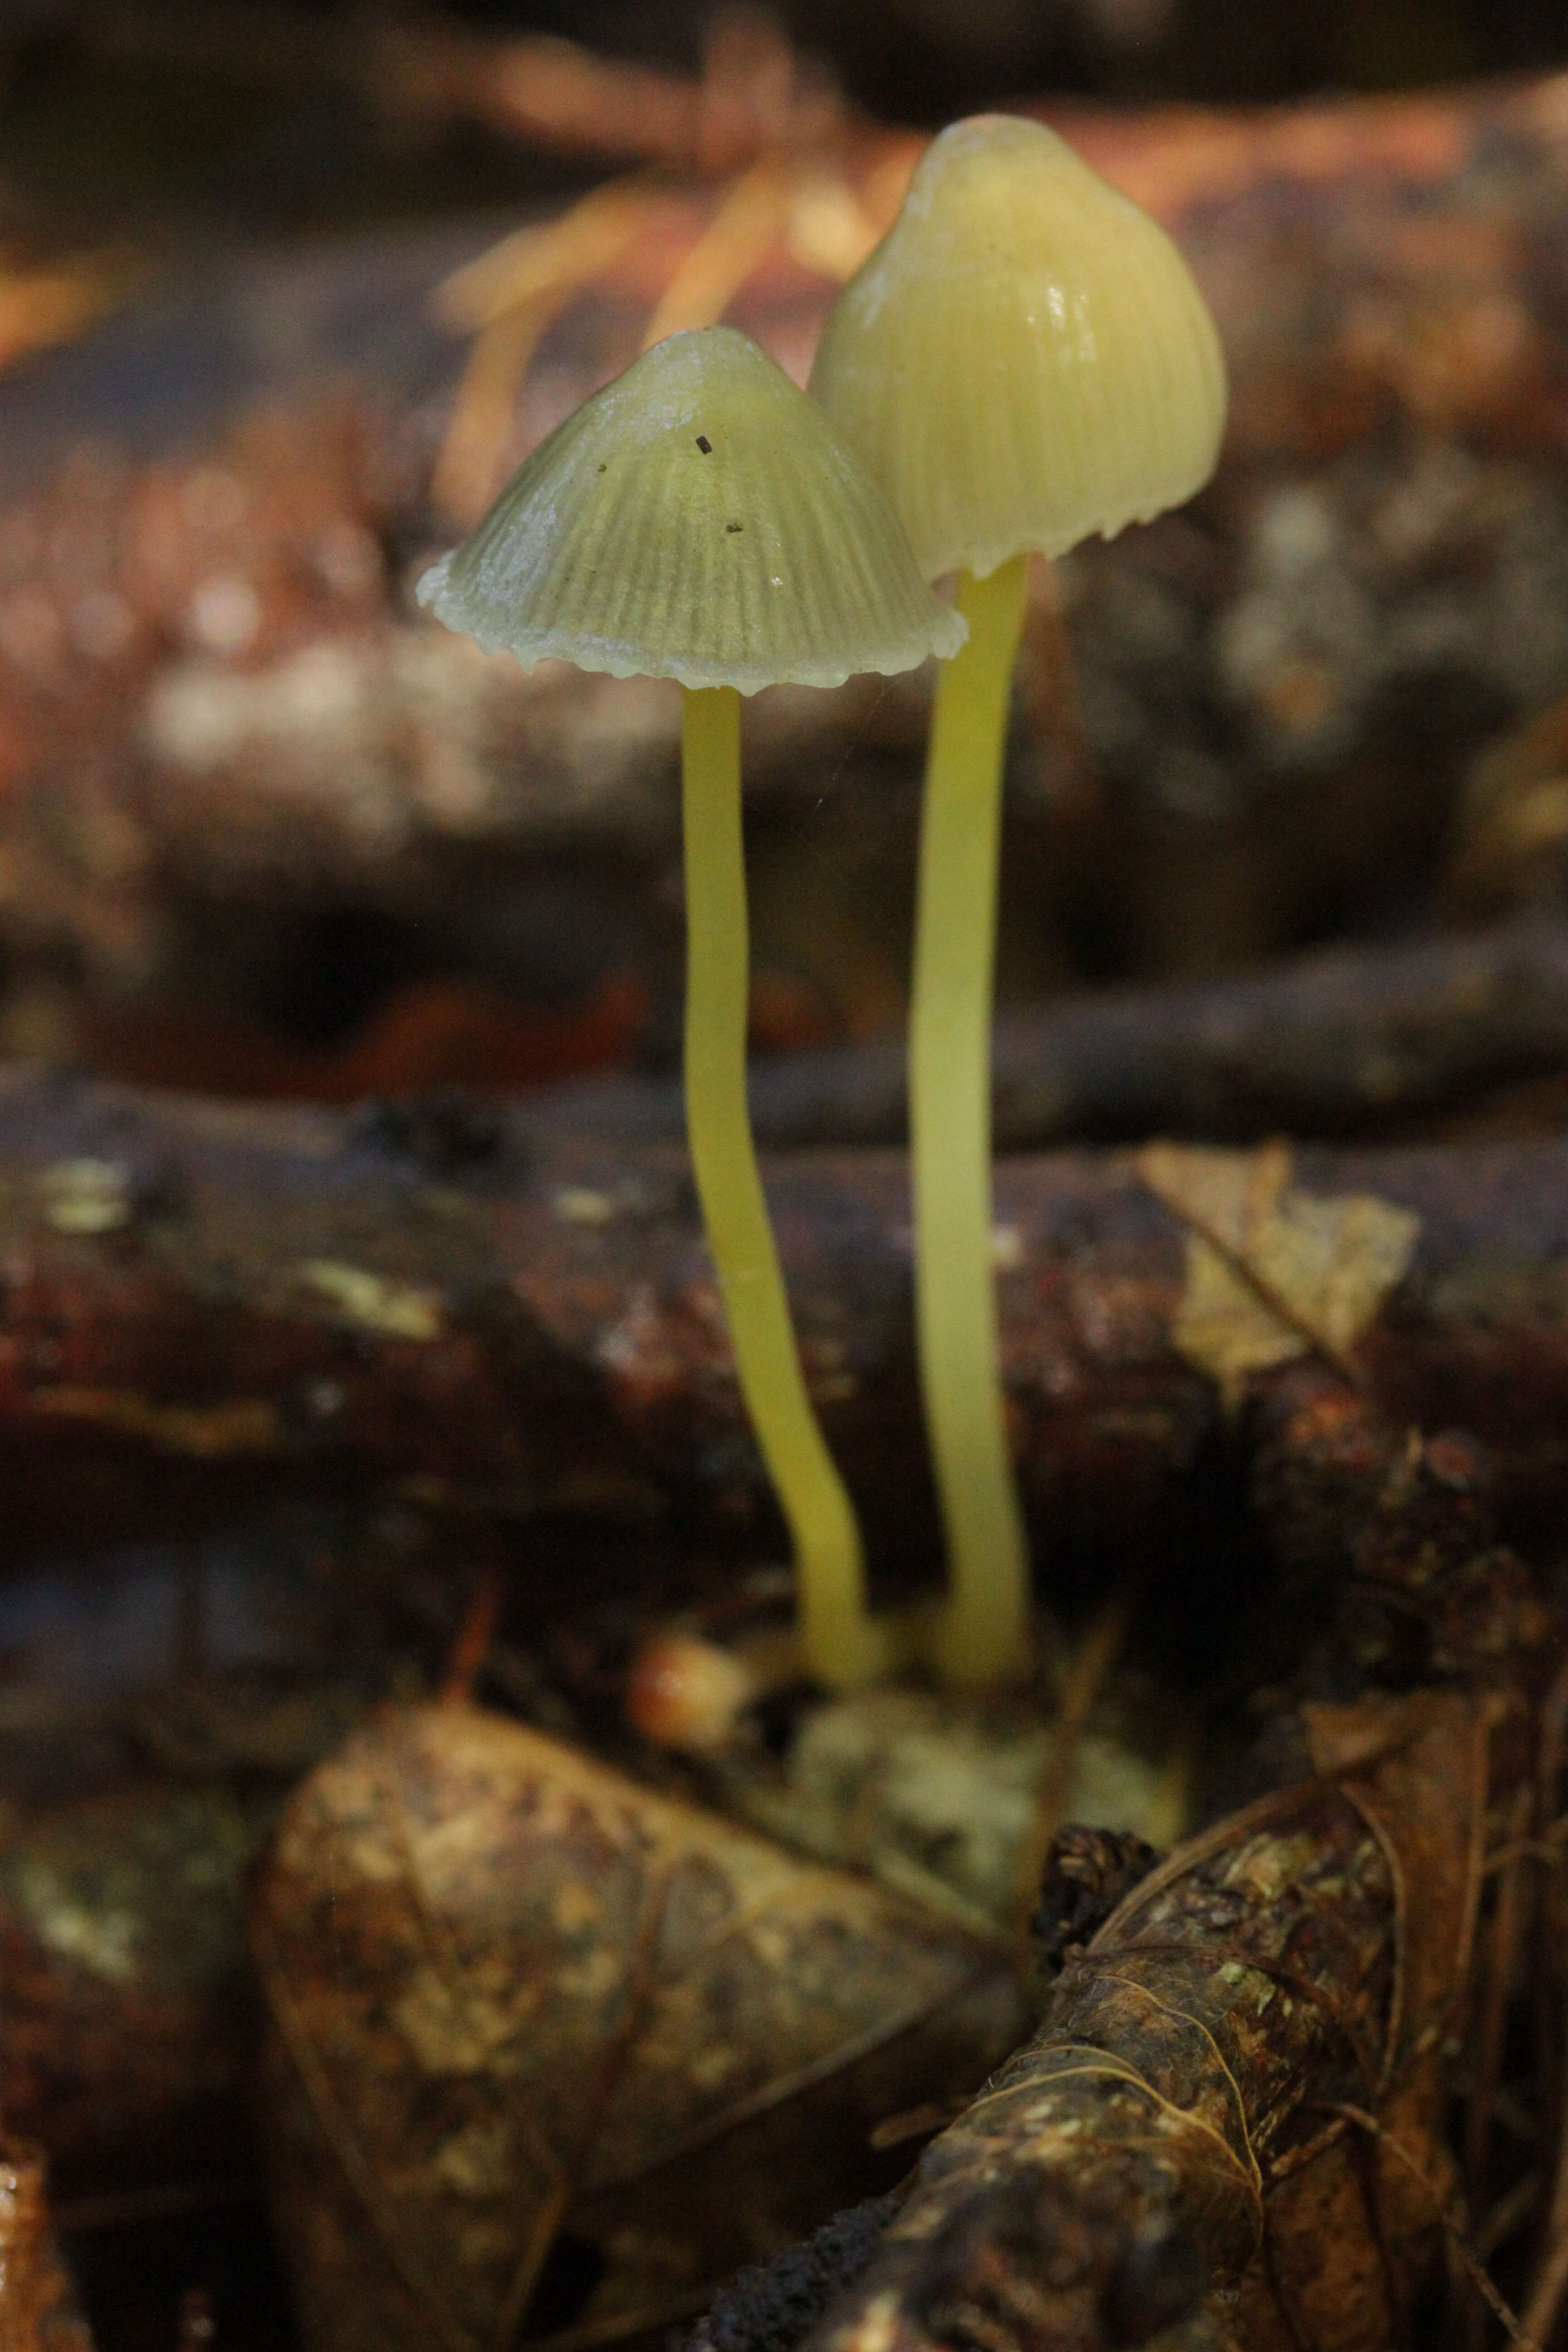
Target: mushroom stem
{"x": 982, "y": 1631}
{"x": 841, "y": 1645}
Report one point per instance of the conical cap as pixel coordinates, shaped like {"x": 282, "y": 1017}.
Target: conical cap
{"x": 699, "y": 518}
{"x": 1025, "y": 359}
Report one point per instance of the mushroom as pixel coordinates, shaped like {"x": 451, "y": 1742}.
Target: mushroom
{"x": 701, "y": 519}
{"x": 1024, "y": 360}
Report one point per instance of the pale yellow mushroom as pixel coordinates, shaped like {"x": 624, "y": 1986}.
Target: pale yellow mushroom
{"x": 1022, "y": 360}
{"x": 701, "y": 519}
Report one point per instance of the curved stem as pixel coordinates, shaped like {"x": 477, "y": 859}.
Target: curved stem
{"x": 983, "y": 1630}
{"x": 841, "y": 1645}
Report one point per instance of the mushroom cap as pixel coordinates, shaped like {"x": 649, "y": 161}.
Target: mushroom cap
{"x": 699, "y": 518}
{"x": 1025, "y": 359}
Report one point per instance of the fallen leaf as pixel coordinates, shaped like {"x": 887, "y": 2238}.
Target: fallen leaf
{"x": 551, "y": 2056}
{"x": 122, "y": 1959}
{"x": 1273, "y": 1272}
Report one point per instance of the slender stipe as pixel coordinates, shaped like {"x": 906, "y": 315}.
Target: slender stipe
{"x": 983, "y": 1632}
{"x": 842, "y": 1646}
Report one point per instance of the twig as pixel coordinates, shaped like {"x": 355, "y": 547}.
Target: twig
{"x": 1508, "y": 2216}
{"x": 1509, "y": 1927}
{"x": 1546, "y": 2294}
{"x": 1344, "y": 1040}
{"x": 475, "y": 1634}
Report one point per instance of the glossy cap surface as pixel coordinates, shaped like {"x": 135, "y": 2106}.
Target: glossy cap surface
{"x": 701, "y": 519}
{"x": 1025, "y": 359}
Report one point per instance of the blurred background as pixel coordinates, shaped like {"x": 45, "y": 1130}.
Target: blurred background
{"x": 265, "y": 348}
{"x": 240, "y": 75}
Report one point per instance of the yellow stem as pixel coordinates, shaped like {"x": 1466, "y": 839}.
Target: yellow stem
{"x": 841, "y": 1645}
{"x": 983, "y": 1634}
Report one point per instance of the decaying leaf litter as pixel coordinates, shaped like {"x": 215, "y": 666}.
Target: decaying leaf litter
{"x": 1233, "y": 2119}
{"x": 1282, "y": 1326}
{"x": 1452, "y": 1608}
{"x": 516, "y": 2003}
{"x": 1236, "y": 2121}
{"x": 1350, "y": 1284}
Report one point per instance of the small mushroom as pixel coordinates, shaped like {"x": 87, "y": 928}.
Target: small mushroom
{"x": 701, "y": 519}
{"x": 1024, "y": 360}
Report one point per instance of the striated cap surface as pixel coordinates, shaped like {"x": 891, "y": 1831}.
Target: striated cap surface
{"x": 699, "y": 518}
{"x": 1025, "y": 359}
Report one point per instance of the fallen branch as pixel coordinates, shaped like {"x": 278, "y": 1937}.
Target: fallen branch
{"x": 1229, "y": 2122}
{"x": 462, "y": 1296}
{"x": 1230, "y": 2127}
{"x": 1349, "y": 1038}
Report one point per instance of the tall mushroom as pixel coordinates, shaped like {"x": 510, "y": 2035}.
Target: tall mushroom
{"x": 701, "y": 519}
{"x": 1024, "y": 360}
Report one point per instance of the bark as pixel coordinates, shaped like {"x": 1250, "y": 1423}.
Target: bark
{"x": 770, "y": 2305}
{"x": 1232, "y": 2126}
{"x": 476, "y": 1302}
{"x": 1228, "y": 2125}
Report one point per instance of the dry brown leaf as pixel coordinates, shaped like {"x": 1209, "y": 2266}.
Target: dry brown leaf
{"x": 1273, "y": 1272}
{"x": 552, "y": 2054}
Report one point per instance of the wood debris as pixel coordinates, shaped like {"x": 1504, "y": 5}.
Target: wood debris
{"x": 1235, "y": 2097}
{"x": 533, "y": 1349}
